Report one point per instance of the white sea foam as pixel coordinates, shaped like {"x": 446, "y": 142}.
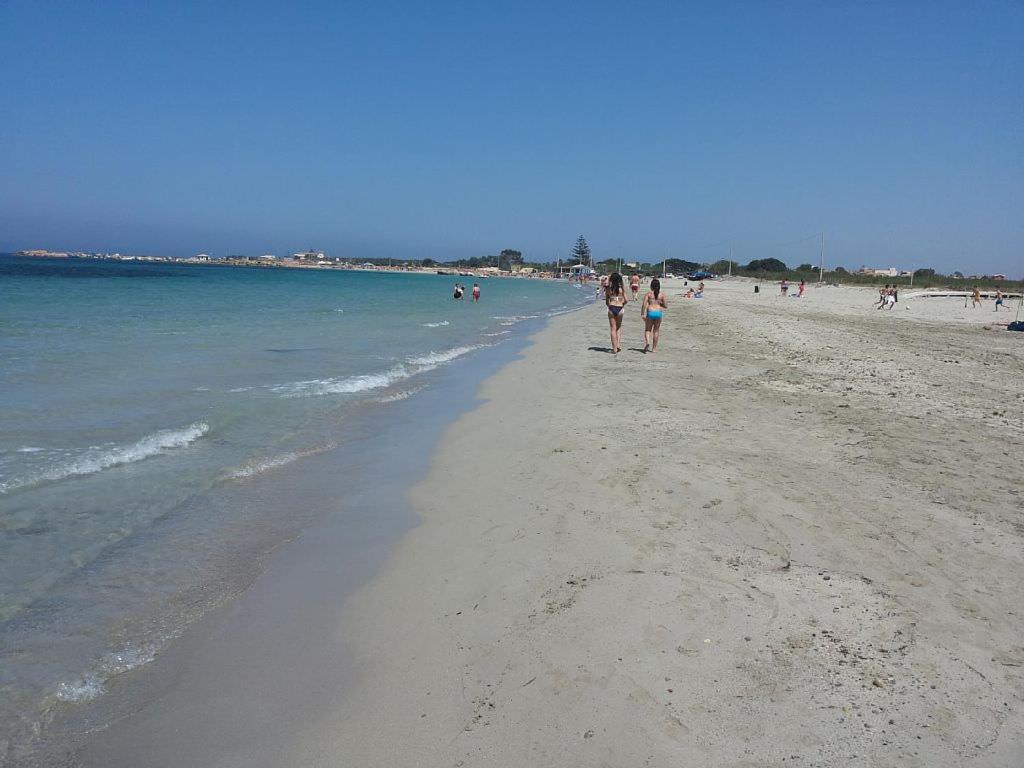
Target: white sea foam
{"x": 30, "y": 449}
{"x": 345, "y": 386}
{"x": 434, "y": 359}
{"x": 498, "y": 333}
{"x": 103, "y": 457}
{"x": 260, "y": 466}
{"x": 514, "y": 318}
{"x": 84, "y": 688}
{"x": 90, "y": 685}
{"x": 405, "y": 394}
{"x": 435, "y": 325}
{"x": 351, "y": 385}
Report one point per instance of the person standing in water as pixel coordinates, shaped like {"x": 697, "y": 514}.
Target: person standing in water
{"x": 615, "y": 299}
{"x": 652, "y": 309}
{"x": 457, "y": 293}
{"x": 476, "y": 292}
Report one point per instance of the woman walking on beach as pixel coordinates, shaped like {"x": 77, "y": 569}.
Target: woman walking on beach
{"x": 634, "y": 284}
{"x": 615, "y": 299}
{"x": 651, "y": 310}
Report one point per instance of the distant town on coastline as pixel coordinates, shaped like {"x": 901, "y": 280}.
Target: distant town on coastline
{"x": 510, "y": 262}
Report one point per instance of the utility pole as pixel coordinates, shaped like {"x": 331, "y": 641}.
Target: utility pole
{"x": 821, "y": 262}
{"x": 730, "y": 259}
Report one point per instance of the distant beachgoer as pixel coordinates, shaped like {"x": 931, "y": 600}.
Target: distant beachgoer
{"x": 882, "y": 293}
{"x": 651, "y": 310}
{"x": 800, "y": 289}
{"x": 459, "y": 290}
{"x": 890, "y": 298}
{"x": 784, "y": 287}
{"x": 476, "y": 291}
{"x": 700, "y": 288}
{"x": 999, "y": 299}
{"x": 634, "y": 284}
{"x": 689, "y": 294}
{"x": 975, "y": 298}
{"x": 615, "y": 299}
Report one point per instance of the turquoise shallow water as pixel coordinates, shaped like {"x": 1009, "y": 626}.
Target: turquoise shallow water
{"x": 141, "y": 403}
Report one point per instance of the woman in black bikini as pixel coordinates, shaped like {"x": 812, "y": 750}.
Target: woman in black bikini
{"x": 615, "y": 299}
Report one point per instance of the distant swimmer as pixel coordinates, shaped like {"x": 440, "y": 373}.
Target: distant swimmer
{"x": 634, "y": 284}
{"x": 615, "y": 299}
{"x": 459, "y": 290}
{"x": 652, "y": 309}
{"x": 476, "y": 292}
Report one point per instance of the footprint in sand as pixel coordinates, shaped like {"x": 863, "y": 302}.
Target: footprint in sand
{"x": 712, "y": 503}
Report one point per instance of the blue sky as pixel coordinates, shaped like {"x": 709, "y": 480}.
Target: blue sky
{"x": 454, "y": 129}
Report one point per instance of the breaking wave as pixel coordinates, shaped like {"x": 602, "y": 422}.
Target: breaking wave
{"x": 97, "y": 459}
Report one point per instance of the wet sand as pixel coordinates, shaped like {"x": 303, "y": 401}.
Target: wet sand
{"x": 791, "y": 537}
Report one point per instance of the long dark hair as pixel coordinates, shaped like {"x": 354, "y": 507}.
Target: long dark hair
{"x": 615, "y": 284}
{"x": 656, "y": 287}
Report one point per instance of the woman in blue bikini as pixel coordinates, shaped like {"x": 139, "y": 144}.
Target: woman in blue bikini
{"x": 615, "y": 299}
{"x": 651, "y": 310}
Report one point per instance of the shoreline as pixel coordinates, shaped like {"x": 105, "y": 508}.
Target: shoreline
{"x": 740, "y": 551}
{"x": 258, "y": 662}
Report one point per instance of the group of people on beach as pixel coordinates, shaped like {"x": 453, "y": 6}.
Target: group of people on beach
{"x": 784, "y": 288}
{"x": 976, "y": 299}
{"x": 887, "y": 297}
{"x": 652, "y": 309}
{"x": 460, "y": 291}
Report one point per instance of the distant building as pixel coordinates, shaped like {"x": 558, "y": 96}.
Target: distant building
{"x": 310, "y": 255}
{"x": 998, "y": 277}
{"x": 890, "y": 272}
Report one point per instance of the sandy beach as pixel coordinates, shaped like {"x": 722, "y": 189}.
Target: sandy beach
{"x": 791, "y": 537}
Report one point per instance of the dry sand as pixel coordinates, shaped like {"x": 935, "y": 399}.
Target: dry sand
{"x": 792, "y": 537}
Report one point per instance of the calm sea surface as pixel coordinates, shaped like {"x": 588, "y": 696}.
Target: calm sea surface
{"x": 138, "y": 402}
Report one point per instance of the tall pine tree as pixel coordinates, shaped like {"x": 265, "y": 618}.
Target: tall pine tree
{"x": 581, "y": 251}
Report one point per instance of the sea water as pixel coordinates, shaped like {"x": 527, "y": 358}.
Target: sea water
{"x": 140, "y": 399}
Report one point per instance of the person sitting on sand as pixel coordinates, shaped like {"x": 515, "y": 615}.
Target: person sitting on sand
{"x": 476, "y": 292}
{"x": 651, "y": 310}
{"x": 615, "y": 299}
{"x": 689, "y": 294}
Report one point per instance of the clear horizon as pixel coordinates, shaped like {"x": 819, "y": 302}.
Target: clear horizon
{"x": 447, "y": 132}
